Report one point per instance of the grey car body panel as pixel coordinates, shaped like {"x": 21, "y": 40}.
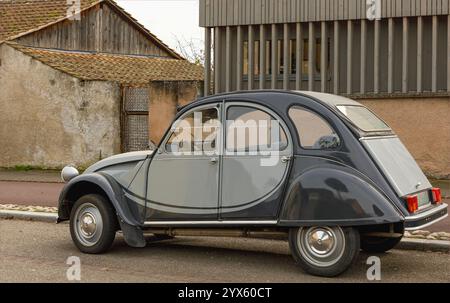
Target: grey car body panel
{"x": 355, "y": 190}
{"x": 397, "y": 164}
{"x": 326, "y": 191}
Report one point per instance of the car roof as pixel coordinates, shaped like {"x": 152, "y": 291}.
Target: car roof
{"x": 324, "y": 98}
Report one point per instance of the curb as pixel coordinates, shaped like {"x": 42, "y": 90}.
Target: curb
{"x": 29, "y": 215}
{"x": 424, "y": 245}
{"x": 405, "y": 244}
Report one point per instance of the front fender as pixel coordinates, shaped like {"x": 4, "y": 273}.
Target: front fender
{"x": 91, "y": 183}
{"x": 328, "y": 196}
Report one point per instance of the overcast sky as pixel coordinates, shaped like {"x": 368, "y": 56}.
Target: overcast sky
{"x": 167, "y": 18}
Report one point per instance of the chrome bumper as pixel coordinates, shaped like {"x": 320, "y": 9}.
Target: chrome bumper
{"x": 426, "y": 218}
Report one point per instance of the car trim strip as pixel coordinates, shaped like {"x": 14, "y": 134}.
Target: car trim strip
{"x": 229, "y": 222}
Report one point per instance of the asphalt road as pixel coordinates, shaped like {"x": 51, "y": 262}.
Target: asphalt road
{"x": 37, "y": 252}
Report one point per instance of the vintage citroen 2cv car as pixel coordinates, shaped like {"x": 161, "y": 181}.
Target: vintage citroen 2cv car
{"x": 321, "y": 169}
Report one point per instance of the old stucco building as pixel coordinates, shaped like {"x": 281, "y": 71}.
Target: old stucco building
{"x": 75, "y": 91}
{"x": 397, "y": 62}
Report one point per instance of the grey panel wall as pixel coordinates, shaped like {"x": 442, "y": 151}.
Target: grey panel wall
{"x": 244, "y": 12}
{"x": 408, "y": 55}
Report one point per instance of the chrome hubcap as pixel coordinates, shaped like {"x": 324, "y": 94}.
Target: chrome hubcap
{"x": 321, "y": 241}
{"x": 88, "y": 225}
{"x": 321, "y": 246}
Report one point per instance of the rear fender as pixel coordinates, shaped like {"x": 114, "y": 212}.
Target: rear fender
{"x": 328, "y": 196}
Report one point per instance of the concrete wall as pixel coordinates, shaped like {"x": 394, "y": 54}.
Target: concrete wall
{"x": 50, "y": 119}
{"x": 423, "y": 124}
{"x": 165, "y": 97}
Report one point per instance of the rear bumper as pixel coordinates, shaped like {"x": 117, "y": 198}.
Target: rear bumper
{"x": 426, "y": 218}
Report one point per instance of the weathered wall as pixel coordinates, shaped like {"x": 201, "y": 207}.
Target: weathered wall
{"x": 423, "y": 124}
{"x": 50, "y": 119}
{"x": 165, "y": 97}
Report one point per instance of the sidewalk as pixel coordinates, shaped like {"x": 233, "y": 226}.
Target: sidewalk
{"x": 42, "y": 176}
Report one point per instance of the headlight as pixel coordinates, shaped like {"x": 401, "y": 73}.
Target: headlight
{"x": 68, "y": 173}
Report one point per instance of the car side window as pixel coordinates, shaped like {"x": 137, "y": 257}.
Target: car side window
{"x": 250, "y": 129}
{"x": 313, "y": 131}
{"x": 196, "y": 132}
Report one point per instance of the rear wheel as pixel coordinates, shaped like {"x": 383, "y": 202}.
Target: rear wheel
{"x": 93, "y": 224}
{"x": 324, "y": 251}
{"x": 378, "y": 245}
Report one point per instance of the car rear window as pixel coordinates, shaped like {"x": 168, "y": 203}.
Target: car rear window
{"x": 363, "y": 118}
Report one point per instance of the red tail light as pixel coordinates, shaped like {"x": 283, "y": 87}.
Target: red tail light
{"x": 413, "y": 203}
{"x": 437, "y": 196}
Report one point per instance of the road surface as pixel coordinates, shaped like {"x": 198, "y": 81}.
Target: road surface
{"x": 37, "y": 252}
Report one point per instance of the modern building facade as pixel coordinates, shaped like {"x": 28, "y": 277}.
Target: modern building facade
{"x": 392, "y": 55}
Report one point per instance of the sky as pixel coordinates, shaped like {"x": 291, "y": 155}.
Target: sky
{"x": 168, "y": 19}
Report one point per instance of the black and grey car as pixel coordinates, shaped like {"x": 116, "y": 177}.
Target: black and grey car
{"x": 322, "y": 170}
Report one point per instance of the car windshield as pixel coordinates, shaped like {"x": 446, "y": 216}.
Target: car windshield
{"x": 363, "y": 118}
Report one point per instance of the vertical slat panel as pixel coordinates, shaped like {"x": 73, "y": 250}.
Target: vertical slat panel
{"x": 217, "y": 56}
{"x": 228, "y": 60}
{"x": 405, "y": 55}
{"x": 434, "y": 50}
{"x": 323, "y": 56}
{"x": 299, "y": 56}
{"x": 311, "y": 56}
{"x": 349, "y": 55}
{"x": 390, "y": 55}
{"x": 419, "y": 53}
{"x": 262, "y": 56}
{"x": 286, "y": 56}
{"x": 274, "y": 56}
{"x": 251, "y": 57}
{"x": 336, "y": 58}
{"x": 376, "y": 58}
{"x": 362, "y": 89}
{"x": 239, "y": 43}
{"x": 207, "y": 61}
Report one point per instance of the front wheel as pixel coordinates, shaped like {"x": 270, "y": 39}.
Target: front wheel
{"x": 324, "y": 251}
{"x": 93, "y": 224}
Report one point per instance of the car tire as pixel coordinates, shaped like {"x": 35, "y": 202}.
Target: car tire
{"x": 378, "y": 245}
{"x": 324, "y": 251}
{"x": 93, "y": 224}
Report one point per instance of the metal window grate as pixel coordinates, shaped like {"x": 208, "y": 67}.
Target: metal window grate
{"x": 135, "y": 119}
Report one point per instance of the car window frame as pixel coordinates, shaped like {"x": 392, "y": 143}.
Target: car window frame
{"x": 324, "y": 118}
{"x": 264, "y": 109}
{"x": 217, "y": 106}
{"x": 389, "y": 130}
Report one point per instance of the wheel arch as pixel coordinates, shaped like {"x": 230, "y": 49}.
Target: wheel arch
{"x": 95, "y": 183}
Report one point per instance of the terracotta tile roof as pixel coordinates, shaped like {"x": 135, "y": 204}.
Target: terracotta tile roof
{"x": 19, "y": 17}
{"x": 125, "y": 69}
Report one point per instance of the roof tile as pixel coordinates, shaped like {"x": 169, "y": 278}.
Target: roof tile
{"x": 125, "y": 69}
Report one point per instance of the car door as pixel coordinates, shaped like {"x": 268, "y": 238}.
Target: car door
{"x": 255, "y": 162}
{"x": 183, "y": 177}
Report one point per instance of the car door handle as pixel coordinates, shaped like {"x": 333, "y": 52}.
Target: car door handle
{"x": 213, "y": 160}
{"x": 285, "y": 159}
